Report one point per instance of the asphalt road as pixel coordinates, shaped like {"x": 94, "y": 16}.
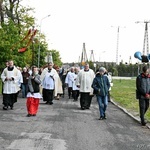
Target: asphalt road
{"x": 63, "y": 126}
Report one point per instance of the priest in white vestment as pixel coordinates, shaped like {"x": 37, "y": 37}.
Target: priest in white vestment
{"x": 50, "y": 83}
{"x": 69, "y": 81}
{"x": 84, "y": 81}
{"x": 10, "y": 78}
{"x": 75, "y": 89}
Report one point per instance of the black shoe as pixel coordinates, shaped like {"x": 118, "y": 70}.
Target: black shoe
{"x": 28, "y": 115}
{"x": 105, "y": 116}
{"x": 5, "y": 108}
{"x": 87, "y": 108}
{"x": 34, "y": 115}
{"x": 51, "y": 103}
{"x": 11, "y": 107}
{"x": 82, "y": 108}
{"x": 143, "y": 123}
{"x": 101, "y": 118}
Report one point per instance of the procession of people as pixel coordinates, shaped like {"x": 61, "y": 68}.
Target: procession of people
{"x": 50, "y": 83}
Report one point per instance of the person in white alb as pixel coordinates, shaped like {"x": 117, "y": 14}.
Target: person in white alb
{"x": 75, "y": 89}
{"x": 10, "y": 78}
{"x": 84, "y": 81}
{"x": 69, "y": 81}
{"x": 49, "y": 79}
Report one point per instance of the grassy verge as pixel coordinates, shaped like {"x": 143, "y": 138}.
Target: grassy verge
{"x": 123, "y": 93}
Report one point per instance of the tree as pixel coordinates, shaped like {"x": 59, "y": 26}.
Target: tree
{"x": 14, "y": 27}
{"x": 15, "y": 22}
{"x": 56, "y": 57}
{"x": 91, "y": 65}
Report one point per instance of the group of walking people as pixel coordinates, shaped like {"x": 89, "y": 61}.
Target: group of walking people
{"x": 30, "y": 83}
{"x": 78, "y": 81}
{"x": 86, "y": 83}
{"x": 50, "y": 83}
{"x": 12, "y": 80}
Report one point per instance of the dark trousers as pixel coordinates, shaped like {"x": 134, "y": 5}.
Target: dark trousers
{"x": 90, "y": 99}
{"x": 48, "y": 95}
{"x": 75, "y": 94}
{"x": 24, "y": 90}
{"x": 63, "y": 88}
{"x": 9, "y": 99}
{"x": 85, "y": 100}
{"x": 69, "y": 91}
{"x": 108, "y": 96}
{"x": 143, "y": 106}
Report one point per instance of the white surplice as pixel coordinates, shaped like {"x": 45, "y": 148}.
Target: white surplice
{"x": 10, "y": 87}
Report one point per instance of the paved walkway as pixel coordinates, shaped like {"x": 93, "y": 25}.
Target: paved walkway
{"x": 64, "y": 126}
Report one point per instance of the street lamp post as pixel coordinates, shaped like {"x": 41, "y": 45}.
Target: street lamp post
{"x": 117, "y": 48}
{"x": 39, "y": 40}
{"x": 32, "y": 41}
{"x": 95, "y": 66}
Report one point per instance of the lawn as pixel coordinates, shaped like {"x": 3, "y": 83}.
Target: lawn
{"x": 123, "y": 93}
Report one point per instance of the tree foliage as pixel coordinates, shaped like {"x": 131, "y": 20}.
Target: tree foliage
{"x": 15, "y": 22}
{"x": 56, "y": 57}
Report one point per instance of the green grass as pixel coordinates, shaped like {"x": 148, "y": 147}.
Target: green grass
{"x": 123, "y": 93}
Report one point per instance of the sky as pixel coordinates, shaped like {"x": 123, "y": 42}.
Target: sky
{"x": 95, "y": 23}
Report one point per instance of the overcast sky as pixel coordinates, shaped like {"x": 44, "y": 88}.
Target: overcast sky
{"x": 95, "y": 23}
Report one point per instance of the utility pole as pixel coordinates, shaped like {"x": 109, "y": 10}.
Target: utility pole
{"x": 145, "y": 37}
{"x": 84, "y": 58}
{"x": 39, "y": 49}
{"x": 32, "y": 40}
{"x": 92, "y": 59}
{"x": 130, "y": 60}
{"x": 117, "y": 47}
